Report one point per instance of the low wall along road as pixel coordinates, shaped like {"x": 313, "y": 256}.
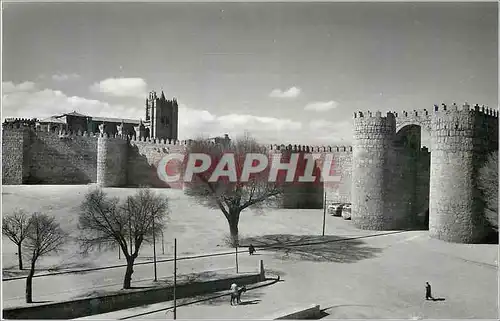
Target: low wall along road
{"x": 129, "y": 299}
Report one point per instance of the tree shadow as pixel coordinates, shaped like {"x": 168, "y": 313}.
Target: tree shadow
{"x": 438, "y": 299}
{"x": 13, "y": 271}
{"x": 277, "y": 273}
{"x": 6, "y": 274}
{"x": 313, "y": 248}
{"x": 70, "y": 265}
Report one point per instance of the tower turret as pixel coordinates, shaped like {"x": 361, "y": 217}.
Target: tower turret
{"x": 163, "y": 117}
{"x": 373, "y": 136}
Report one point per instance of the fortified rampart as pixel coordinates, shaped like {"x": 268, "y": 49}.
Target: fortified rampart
{"x": 391, "y": 181}
{"x": 389, "y": 172}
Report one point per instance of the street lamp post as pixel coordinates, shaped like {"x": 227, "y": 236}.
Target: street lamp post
{"x": 154, "y": 249}
{"x": 175, "y": 278}
{"x": 162, "y": 244}
{"x": 324, "y": 214}
{"x": 236, "y": 255}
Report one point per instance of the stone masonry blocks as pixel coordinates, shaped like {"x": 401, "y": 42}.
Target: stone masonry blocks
{"x": 372, "y": 139}
{"x": 386, "y": 182}
{"x": 13, "y": 157}
{"x": 111, "y": 161}
{"x": 455, "y": 211}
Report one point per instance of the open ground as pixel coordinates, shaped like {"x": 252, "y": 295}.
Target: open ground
{"x": 352, "y": 273}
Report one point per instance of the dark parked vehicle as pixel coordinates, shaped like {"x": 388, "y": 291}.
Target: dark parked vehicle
{"x": 346, "y": 211}
{"x": 335, "y": 209}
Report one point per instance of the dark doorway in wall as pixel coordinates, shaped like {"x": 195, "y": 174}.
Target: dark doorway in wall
{"x": 408, "y": 142}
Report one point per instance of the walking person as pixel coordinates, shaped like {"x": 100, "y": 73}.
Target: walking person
{"x": 428, "y": 293}
{"x": 234, "y": 293}
{"x": 251, "y": 249}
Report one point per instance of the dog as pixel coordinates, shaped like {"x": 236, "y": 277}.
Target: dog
{"x": 236, "y": 297}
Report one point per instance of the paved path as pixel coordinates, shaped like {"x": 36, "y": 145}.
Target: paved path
{"x": 66, "y": 286}
{"x": 387, "y": 285}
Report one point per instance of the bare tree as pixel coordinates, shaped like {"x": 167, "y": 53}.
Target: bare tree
{"x": 15, "y": 227}
{"x": 488, "y": 183}
{"x": 44, "y": 237}
{"x": 104, "y": 222}
{"x": 231, "y": 196}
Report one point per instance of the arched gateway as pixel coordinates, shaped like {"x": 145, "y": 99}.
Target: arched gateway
{"x": 388, "y": 170}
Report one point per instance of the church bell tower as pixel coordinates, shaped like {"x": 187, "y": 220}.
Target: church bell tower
{"x": 161, "y": 117}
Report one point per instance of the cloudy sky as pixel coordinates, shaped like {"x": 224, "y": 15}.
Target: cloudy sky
{"x": 289, "y": 72}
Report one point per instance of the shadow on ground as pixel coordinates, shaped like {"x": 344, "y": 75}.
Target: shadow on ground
{"x": 250, "y": 297}
{"x": 181, "y": 279}
{"x": 194, "y": 277}
{"x": 323, "y": 314}
{"x": 11, "y": 273}
{"x": 70, "y": 266}
{"x": 275, "y": 273}
{"x": 492, "y": 237}
{"x": 326, "y": 248}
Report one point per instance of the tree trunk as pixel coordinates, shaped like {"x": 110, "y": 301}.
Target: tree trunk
{"x": 128, "y": 273}
{"x": 19, "y": 256}
{"x": 233, "y": 221}
{"x": 29, "y": 283}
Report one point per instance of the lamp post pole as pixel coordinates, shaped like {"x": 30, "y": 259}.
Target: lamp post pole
{"x": 154, "y": 249}
{"x": 175, "y": 278}
{"x": 324, "y": 214}
{"x": 236, "y": 255}
{"x": 162, "y": 244}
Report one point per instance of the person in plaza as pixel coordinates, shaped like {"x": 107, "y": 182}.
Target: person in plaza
{"x": 241, "y": 290}
{"x": 234, "y": 293}
{"x": 251, "y": 249}
{"x": 428, "y": 293}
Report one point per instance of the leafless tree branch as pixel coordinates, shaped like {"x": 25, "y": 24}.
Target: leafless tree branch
{"x": 106, "y": 223}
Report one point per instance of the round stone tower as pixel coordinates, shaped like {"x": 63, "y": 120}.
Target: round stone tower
{"x": 458, "y": 151}
{"x": 111, "y": 161}
{"x": 373, "y": 137}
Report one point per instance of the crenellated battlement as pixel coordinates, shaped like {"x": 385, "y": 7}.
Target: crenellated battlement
{"x": 429, "y": 113}
{"x": 369, "y": 114}
{"x": 309, "y": 149}
{"x": 158, "y": 141}
{"x": 20, "y": 125}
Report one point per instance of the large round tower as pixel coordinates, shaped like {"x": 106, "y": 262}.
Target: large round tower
{"x": 373, "y": 136}
{"x": 111, "y": 161}
{"x": 459, "y": 148}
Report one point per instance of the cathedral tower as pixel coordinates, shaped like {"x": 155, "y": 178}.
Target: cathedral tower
{"x": 161, "y": 117}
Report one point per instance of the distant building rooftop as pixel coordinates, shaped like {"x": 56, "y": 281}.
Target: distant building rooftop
{"x": 116, "y": 120}
{"x": 73, "y": 113}
{"x": 52, "y": 119}
{"x": 55, "y": 119}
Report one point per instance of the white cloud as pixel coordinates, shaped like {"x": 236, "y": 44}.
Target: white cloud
{"x": 121, "y": 87}
{"x": 292, "y": 92}
{"x": 65, "y": 77}
{"x": 10, "y": 87}
{"x": 331, "y": 132}
{"x": 194, "y": 122}
{"x": 321, "y": 106}
{"x": 26, "y": 101}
